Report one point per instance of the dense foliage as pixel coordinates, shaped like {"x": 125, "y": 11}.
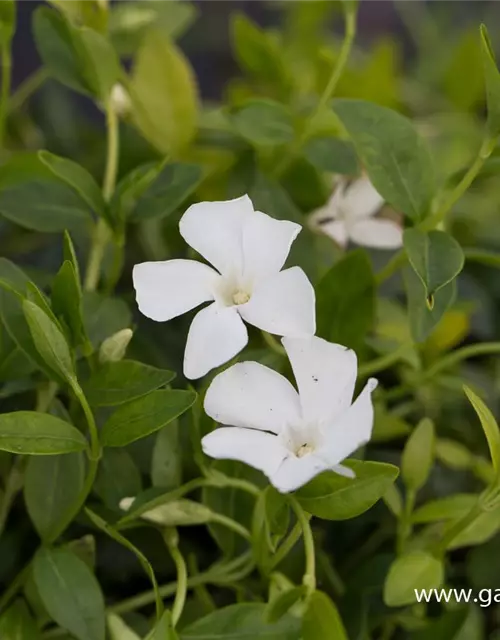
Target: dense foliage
{"x": 114, "y": 523}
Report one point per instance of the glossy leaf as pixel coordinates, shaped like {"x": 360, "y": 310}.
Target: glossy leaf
{"x": 164, "y": 95}
{"x": 436, "y": 257}
{"x": 51, "y": 488}
{"x": 492, "y": 82}
{"x": 117, "y": 477}
{"x": 333, "y": 155}
{"x": 280, "y": 605}
{"x": 322, "y": 619}
{"x": 146, "y": 415}
{"x": 7, "y": 21}
{"x": 164, "y": 630}
{"x": 115, "y": 383}
{"x": 103, "y": 317}
{"x": 393, "y": 154}
{"x": 264, "y": 123}
{"x": 334, "y": 497}
{"x": 451, "y": 507}
{"x": 67, "y": 301}
{"x": 414, "y": 570}
{"x": 118, "y": 630}
{"x": 348, "y": 285}
{"x": 490, "y": 427}
{"x": 418, "y": 455}
{"x": 70, "y": 593}
{"x": 166, "y": 463}
{"x": 16, "y": 623}
{"x": 34, "y": 433}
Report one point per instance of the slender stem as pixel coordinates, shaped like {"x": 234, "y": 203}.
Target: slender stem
{"x": 397, "y": 261}
{"x": 231, "y": 524}
{"x": 5, "y": 90}
{"x": 309, "y": 579}
{"x": 485, "y": 348}
{"x": 288, "y": 545}
{"x": 171, "y": 538}
{"x": 404, "y": 524}
{"x": 237, "y": 483}
{"x": 27, "y": 88}
{"x": 14, "y": 586}
{"x": 12, "y": 487}
{"x": 484, "y": 153}
{"x": 95, "y": 447}
{"x": 102, "y": 234}
{"x": 273, "y": 343}
{"x": 379, "y": 364}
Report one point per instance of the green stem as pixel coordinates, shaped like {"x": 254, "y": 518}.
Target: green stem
{"x": 15, "y": 586}
{"x": 404, "y": 524}
{"x": 95, "y": 447}
{"x": 27, "y": 88}
{"x": 309, "y": 579}
{"x": 5, "y": 90}
{"x": 12, "y": 487}
{"x": 231, "y": 524}
{"x": 394, "y": 264}
{"x": 383, "y": 362}
{"x": 459, "y": 526}
{"x": 288, "y": 545}
{"x": 171, "y": 538}
{"x": 453, "y": 358}
{"x": 273, "y": 343}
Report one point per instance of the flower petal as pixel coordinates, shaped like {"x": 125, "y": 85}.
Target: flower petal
{"x": 266, "y": 244}
{"x": 283, "y": 304}
{"x": 361, "y": 199}
{"x": 337, "y": 230}
{"x": 350, "y": 430}
{"x": 168, "y": 289}
{"x": 294, "y": 472}
{"x": 215, "y": 336}
{"x": 325, "y": 373}
{"x": 248, "y": 394}
{"x": 215, "y": 230}
{"x": 378, "y": 233}
{"x": 260, "y": 450}
{"x": 342, "y": 470}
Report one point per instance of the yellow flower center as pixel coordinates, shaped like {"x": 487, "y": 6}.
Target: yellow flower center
{"x": 240, "y": 297}
{"x": 304, "y": 450}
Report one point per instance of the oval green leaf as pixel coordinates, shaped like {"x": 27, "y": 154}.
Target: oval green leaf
{"x": 264, "y": 123}
{"x": 322, "y": 619}
{"x": 418, "y": 455}
{"x": 410, "y": 572}
{"x": 490, "y": 427}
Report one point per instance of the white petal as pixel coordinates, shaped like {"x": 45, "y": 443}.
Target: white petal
{"x": 337, "y": 230}
{"x": 266, "y": 244}
{"x": 283, "y": 304}
{"x": 260, "y": 450}
{"x": 215, "y": 230}
{"x": 350, "y": 430}
{"x": 378, "y": 233}
{"x": 168, "y": 289}
{"x": 248, "y": 394}
{"x": 361, "y": 199}
{"x": 296, "y": 472}
{"x": 347, "y": 472}
{"x": 325, "y": 373}
{"x": 215, "y": 336}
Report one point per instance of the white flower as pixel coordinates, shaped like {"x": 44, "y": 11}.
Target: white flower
{"x": 290, "y": 436}
{"x": 248, "y": 248}
{"x": 349, "y": 215}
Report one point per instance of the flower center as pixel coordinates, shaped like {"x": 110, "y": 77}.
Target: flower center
{"x": 240, "y": 297}
{"x": 304, "y": 450}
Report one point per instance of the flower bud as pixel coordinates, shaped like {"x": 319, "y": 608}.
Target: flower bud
{"x": 174, "y": 514}
{"x": 120, "y": 100}
{"x": 113, "y": 348}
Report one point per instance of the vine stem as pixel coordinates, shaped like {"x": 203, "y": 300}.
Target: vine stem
{"x": 385, "y": 361}
{"x": 27, "y": 88}
{"x": 288, "y": 545}
{"x": 171, "y": 538}
{"x": 5, "y": 90}
{"x": 102, "y": 233}
{"x": 485, "y": 348}
{"x": 457, "y": 528}
{"x": 309, "y": 579}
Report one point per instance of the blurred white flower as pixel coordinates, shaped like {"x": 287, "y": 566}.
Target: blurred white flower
{"x": 349, "y": 215}
{"x": 290, "y": 436}
{"x": 248, "y": 248}
{"x": 120, "y": 100}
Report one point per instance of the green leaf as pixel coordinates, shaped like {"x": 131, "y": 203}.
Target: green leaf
{"x": 117, "y": 536}
{"x": 490, "y": 427}
{"x": 77, "y": 178}
{"x": 452, "y": 507}
{"x": 418, "y": 455}
{"x": 423, "y": 320}
{"x": 482, "y": 529}
{"x": 322, "y": 619}
{"x": 67, "y": 301}
{"x": 118, "y": 382}
{"x": 31, "y": 432}
{"x": 49, "y": 341}
{"x": 257, "y": 53}
{"x": 104, "y": 316}
{"x": 51, "y": 488}
{"x": 118, "y": 630}
{"x": 70, "y": 593}
{"x": 100, "y": 62}
{"x": 492, "y": 82}
{"x": 411, "y": 571}
{"x": 114, "y": 348}
{"x": 393, "y": 154}
{"x": 280, "y": 605}
{"x": 166, "y": 464}
{"x": 333, "y": 155}
{"x": 146, "y": 415}
{"x": 239, "y": 622}
{"x": 131, "y": 187}
{"x": 17, "y": 624}
{"x": 167, "y": 192}
{"x": 163, "y": 93}
{"x": 164, "y": 630}
{"x": 69, "y": 254}
{"x": 32, "y": 197}
{"x": 436, "y": 258}
{"x": 7, "y": 21}
{"x": 277, "y": 511}
{"x": 264, "y": 123}
{"x": 334, "y": 497}
{"x": 178, "y": 513}
{"x": 117, "y": 477}
{"x": 348, "y": 285}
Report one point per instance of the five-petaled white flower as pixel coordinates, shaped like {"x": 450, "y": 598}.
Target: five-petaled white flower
{"x": 291, "y": 436}
{"x": 248, "y": 248}
{"x": 349, "y": 215}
